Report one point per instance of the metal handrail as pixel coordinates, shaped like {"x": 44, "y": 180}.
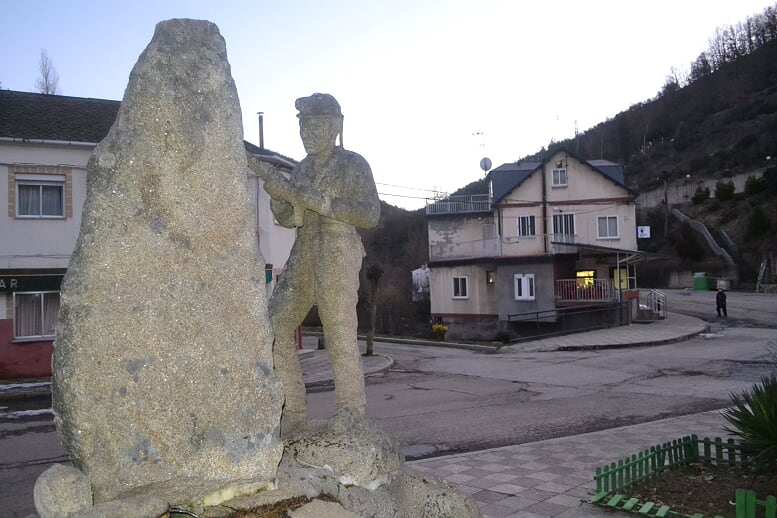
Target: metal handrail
{"x": 552, "y": 316}
{"x": 459, "y": 204}
{"x": 656, "y": 302}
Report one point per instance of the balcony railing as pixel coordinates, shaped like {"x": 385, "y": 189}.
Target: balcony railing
{"x": 574, "y": 290}
{"x": 458, "y": 204}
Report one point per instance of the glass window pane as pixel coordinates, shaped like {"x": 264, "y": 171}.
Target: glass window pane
{"x": 27, "y": 314}
{"x": 613, "y": 226}
{"x": 602, "y": 227}
{"x": 52, "y": 200}
{"x": 29, "y": 200}
{"x": 50, "y": 313}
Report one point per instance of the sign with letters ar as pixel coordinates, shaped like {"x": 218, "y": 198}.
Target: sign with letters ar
{"x": 30, "y": 282}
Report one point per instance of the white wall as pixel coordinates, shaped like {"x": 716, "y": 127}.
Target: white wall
{"x": 275, "y": 241}
{"x": 482, "y": 297}
{"x": 40, "y": 243}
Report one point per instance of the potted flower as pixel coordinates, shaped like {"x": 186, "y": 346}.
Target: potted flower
{"x": 439, "y": 329}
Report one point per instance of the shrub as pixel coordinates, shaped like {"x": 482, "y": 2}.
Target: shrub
{"x": 753, "y": 418}
{"x": 724, "y": 190}
{"x": 700, "y": 196}
{"x": 754, "y": 185}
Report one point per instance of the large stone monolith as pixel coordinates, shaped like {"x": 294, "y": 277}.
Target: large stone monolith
{"x": 163, "y": 373}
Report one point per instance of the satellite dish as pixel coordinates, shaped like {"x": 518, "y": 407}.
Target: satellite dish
{"x": 485, "y": 164}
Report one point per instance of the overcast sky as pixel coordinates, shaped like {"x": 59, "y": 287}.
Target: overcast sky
{"x": 427, "y": 87}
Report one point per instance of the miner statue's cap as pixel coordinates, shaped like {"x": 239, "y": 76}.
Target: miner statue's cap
{"x": 318, "y": 105}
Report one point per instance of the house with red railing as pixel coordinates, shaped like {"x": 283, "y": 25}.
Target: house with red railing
{"x": 552, "y": 241}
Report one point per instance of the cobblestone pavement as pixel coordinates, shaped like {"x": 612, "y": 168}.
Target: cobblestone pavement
{"x": 554, "y": 478}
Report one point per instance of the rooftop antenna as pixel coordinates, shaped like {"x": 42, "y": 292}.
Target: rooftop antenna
{"x": 261, "y": 129}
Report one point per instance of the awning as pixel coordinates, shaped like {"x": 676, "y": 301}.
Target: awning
{"x": 630, "y": 256}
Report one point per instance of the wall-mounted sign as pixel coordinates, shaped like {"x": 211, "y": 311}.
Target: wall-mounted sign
{"x": 643, "y": 232}
{"x": 30, "y": 282}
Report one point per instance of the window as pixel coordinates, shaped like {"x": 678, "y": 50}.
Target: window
{"x": 564, "y": 224}
{"x": 526, "y": 226}
{"x": 35, "y": 314}
{"x": 607, "y": 227}
{"x": 524, "y": 286}
{"x": 585, "y": 278}
{"x": 40, "y": 196}
{"x": 559, "y": 177}
{"x": 490, "y": 277}
{"x": 460, "y": 288}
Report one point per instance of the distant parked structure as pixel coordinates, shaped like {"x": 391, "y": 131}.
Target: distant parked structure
{"x": 421, "y": 284}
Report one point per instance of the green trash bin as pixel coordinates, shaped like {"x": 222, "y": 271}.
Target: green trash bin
{"x": 701, "y": 282}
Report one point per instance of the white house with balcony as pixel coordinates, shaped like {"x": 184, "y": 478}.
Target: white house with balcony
{"x": 548, "y": 236}
{"x": 45, "y": 144}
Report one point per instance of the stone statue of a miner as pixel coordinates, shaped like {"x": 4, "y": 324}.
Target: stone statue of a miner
{"x": 329, "y": 194}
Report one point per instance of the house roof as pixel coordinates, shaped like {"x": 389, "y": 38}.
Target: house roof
{"x": 32, "y": 116}
{"x": 506, "y": 177}
{"x": 609, "y": 169}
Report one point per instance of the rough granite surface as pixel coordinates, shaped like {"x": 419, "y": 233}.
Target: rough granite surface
{"x": 357, "y": 452}
{"x": 162, "y": 364}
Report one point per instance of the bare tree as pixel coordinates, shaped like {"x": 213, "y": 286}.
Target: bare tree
{"x": 48, "y": 82}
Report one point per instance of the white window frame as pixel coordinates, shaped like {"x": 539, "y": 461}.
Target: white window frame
{"x": 559, "y": 177}
{"x": 530, "y": 224}
{"x": 524, "y": 287}
{"x": 460, "y": 290}
{"x": 607, "y": 220}
{"x": 40, "y": 181}
{"x": 568, "y": 224}
{"x": 41, "y": 316}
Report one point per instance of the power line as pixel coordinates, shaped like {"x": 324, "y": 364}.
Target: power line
{"x": 409, "y": 188}
{"x": 404, "y": 196}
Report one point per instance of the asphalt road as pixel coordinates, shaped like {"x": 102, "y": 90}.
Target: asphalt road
{"x": 744, "y": 308}
{"x": 444, "y": 400}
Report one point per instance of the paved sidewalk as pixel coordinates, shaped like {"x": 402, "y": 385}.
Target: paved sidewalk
{"x": 675, "y": 327}
{"x": 317, "y": 371}
{"x": 554, "y": 478}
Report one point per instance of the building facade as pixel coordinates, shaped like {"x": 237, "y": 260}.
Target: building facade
{"x": 45, "y": 144}
{"x": 548, "y": 236}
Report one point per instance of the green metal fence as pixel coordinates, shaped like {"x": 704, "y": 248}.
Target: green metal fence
{"x": 613, "y": 480}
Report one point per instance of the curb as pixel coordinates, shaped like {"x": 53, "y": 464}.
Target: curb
{"x": 330, "y": 381}
{"x": 487, "y": 349}
{"x": 664, "y": 341}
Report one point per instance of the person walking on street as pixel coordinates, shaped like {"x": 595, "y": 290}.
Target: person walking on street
{"x": 720, "y": 302}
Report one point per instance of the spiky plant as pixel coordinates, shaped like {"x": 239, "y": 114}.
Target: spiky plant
{"x": 753, "y": 418}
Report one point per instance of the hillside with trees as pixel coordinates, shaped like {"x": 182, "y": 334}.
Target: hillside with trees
{"x": 715, "y": 119}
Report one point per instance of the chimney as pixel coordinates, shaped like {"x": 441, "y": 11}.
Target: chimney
{"x": 261, "y": 129}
